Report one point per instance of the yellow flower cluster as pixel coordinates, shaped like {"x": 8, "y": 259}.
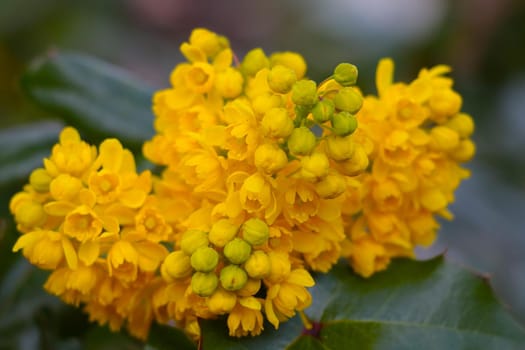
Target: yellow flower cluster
{"x": 415, "y": 137}
{"x": 266, "y": 176}
{"x": 259, "y": 156}
{"x": 88, "y": 217}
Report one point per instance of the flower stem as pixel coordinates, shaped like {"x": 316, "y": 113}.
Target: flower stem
{"x": 306, "y": 322}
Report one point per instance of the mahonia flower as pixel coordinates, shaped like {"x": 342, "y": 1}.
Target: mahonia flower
{"x": 87, "y": 217}
{"x": 266, "y": 175}
{"x": 247, "y": 145}
{"x": 415, "y": 137}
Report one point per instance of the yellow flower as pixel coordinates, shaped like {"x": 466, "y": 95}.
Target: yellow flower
{"x": 245, "y": 318}
{"x": 288, "y": 296}
{"x": 41, "y": 248}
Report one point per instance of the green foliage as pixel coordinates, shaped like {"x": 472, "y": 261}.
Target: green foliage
{"x": 92, "y": 95}
{"x": 412, "y": 305}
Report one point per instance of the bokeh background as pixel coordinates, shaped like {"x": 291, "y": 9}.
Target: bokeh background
{"x": 483, "y": 41}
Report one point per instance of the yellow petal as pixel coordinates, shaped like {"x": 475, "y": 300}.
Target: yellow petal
{"x": 133, "y": 198}
{"x": 301, "y": 277}
{"x": 88, "y": 252}
{"x": 192, "y": 53}
{"x": 69, "y": 134}
{"x": 270, "y": 313}
{"x": 58, "y": 208}
{"x": 27, "y": 240}
{"x": 150, "y": 255}
{"x": 250, "y": 303}
{"x": 223, "y": 59}
{"x": 70, "y": 253}
{"x": 384, "y": 75}
{"x": 111, "y": 154}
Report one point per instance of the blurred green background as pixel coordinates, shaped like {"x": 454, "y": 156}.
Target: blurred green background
{"x": 483, "y": 41}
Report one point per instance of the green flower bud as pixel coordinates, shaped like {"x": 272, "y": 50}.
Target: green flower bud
{"x": 323, "y": 111}
{"x": 222, "y": 232}
{"x": 258, "y": 265}
{"x": 348, "y": 99}
{"x": 302, "y": 141}
{"x": 254, "y": 61}
{"x": 343, "y": 123}
{"x": 255, "y": 231}
{"x": 40, "y": 180}
{"x": 281, "y": 79}
{"x": 345, "y": 74}
{"x": 204, "y": 259}
{"x": 176, "y": 265}
{"x": 204, "y": 284}
{"x": 233, "y": 278}
{"x": 304, "y": 93}
{"x": 339, "y": 147}
{"x": 192, "y": 240}
{"x": 237, "y": 251}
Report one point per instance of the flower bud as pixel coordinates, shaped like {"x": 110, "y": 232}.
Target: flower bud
{"x": 315, "y": 166}
{"x": 40, "y": 180}
{"x": 304, "y": 93}
{"x": 462, "y": 124}
{"x": 356, "y": 164}
{"x": 270, "y": 158}
{"x": 30, "y": 214}
{"x": 254, "y": 61}
{"x": 345, "y": 74}
{"x": 264, "y": 102}
{"x": 221, "y": 301}
{"x": 258, "y": 265}
{"x": 323, "y": 111}
{"x": 222, "y": 232}
{"x": 281, "y": 79}
{"x": 192, "y": 240}
{"x": 237, "y": 251}
{"x": 204, "y": 284}
{"x": 302, "y": 141}
{"x": 343, "y": 123}
{"x": 290, "y": 60}
{"x": 339, "y": 147}
{"x": 204, "y": 259}
{"x": 465, "y": 151}
{"x": 255, "y": 231}
{"x": 176, "y": 265}
{"x": 229, "y": 83}
{"x": 251, "y": 287}
{"x": 233, "y": 278}
{"x": 331, "y": 186}
{"x": 205, "y": 40}
{"x": 444, "y": 138}
{"x": 277, "y": 123}
{"x": 348, "y": 99}
{"x": 65, "y": 187}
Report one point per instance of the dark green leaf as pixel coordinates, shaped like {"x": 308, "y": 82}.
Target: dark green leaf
{"x": 92, "y": 95}
{"x": 413, "y": 305}
{"x": 24, "y": 147}
{"x": 167, "y": 338}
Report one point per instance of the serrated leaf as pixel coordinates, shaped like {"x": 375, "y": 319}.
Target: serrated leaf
{"x": 95, "y": 96}
{"x": 24, "y": 147}
{"x": 413, "y": 305}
